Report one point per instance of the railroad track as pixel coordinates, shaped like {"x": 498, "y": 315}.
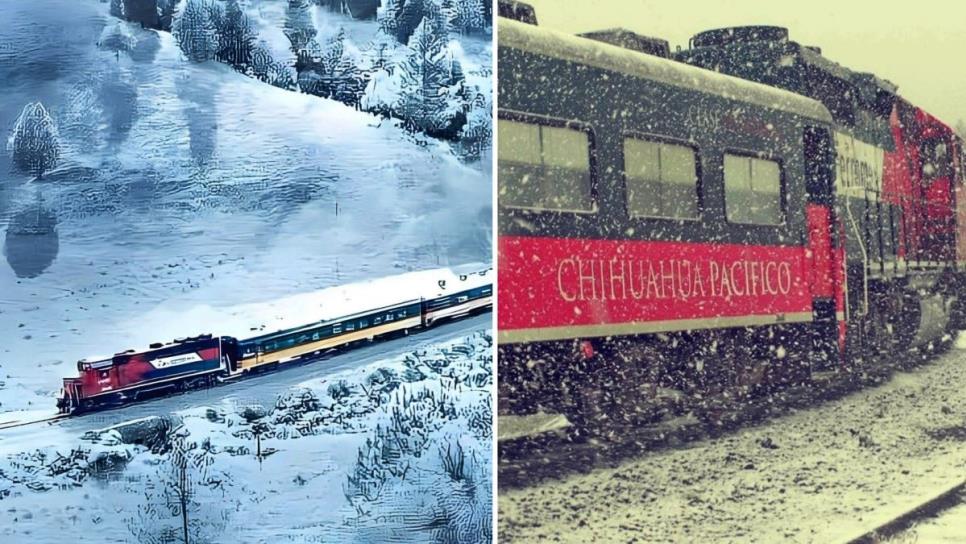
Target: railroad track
{"x": 14, "y": 423}
{"x": 904, "y": 516}
{"x": 527, "y": 460}
{"x": 50, "y": 417}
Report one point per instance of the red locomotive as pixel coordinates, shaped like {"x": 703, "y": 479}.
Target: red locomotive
{"x": 666, "y": 226}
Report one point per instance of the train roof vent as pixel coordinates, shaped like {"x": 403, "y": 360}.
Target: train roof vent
{"x": 156, "y": 345}
{"x": 739, "y": 34}
{"x": 622, "y": 37}
{"x": 518, "y": 11}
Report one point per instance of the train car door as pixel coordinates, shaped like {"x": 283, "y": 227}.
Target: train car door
{"x": 825, "y": 245}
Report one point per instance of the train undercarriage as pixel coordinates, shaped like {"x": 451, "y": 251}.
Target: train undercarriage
{"x": 605, "y": 384}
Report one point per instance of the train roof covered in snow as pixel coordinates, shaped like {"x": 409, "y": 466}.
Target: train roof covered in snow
{"x": 860, "y": 102}
{"x": 566, "y": 47}
{"x": 347, "y": 300}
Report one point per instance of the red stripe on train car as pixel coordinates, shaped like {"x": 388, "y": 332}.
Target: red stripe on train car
{"x": 564, "y": 282}
{"x": 818, "y": 218}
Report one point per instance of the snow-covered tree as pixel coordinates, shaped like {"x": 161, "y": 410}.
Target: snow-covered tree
{"x": 166, "y": 9}
{"x": 144, "y": 12}
{"x": 429, "y": 82}
{"x": 299, "y": 28}
{"x": 35, "y": 144}
{"x": 117, "y": 8}
{"x": 471, "y": 15}
{"x": 388, "y": 16}
{"x": 186, "y": 500}
{"x": 195, "y": 31}
{"x": 236, "y": 37}
{"x": 265, "y": 67}
{"x": 410, "y": 16}
{"x": 399, "y": 18}
{"x": 477, "y": 133}
{"x": 330, "y": 71}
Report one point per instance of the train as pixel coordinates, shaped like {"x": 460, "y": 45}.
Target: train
{"x": 731, "y": 218}
{"x": 207, "y": 359}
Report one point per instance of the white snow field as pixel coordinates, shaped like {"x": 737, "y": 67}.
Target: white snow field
{"x": 185, "y": 190}
{"x": 396, "y": 450}
{"x": 824, "y": 474}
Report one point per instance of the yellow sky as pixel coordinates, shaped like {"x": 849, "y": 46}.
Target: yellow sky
{"x": 920, "y": 47}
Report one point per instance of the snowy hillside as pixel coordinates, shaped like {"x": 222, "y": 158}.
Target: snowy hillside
{"x": 399, "y": 449}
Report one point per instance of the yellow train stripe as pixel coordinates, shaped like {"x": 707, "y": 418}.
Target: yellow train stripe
{"x": 326, "y": 343}
{"x": 567, "y": 332}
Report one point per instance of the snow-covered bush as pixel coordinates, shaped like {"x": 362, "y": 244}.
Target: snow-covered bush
{"x": 116, "y": 38}
{"x": 477, "y": 134}
{"x": 34, "y": 143}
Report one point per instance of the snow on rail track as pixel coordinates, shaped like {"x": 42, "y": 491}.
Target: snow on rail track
{"x": 906, "y": 514}
{"x": 11, "y": 420}
{"x": 830, "y": 470}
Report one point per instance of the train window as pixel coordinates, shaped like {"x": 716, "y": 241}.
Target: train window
{"x": 544, "y": 167}
{"x": 752, "y": 190}
{"x": 363, "y": 323}
{"x": 376, "y": 320}
{"x": 661, "y": 179}
{"x": 337, "y": 329}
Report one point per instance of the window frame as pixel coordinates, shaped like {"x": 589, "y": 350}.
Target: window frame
{"x": 782, "y": 185}
{"x": 554, "y": 122}
{"x": 698, "y": 171}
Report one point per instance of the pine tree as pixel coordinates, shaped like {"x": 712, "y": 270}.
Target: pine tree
{"x": 471, "y": 15}
{"x": 451, "y": 14}
{"x": 236, "y": 37}
{"x": 195, "y": 31}
{"x": 426, "y": 74}
{"x": 166, "y": 9}
{"x": 389, "y": 16}
{"x": 299, "y": 28}
{"x": 410, "y": 16}
{"x": 35, "y": 144}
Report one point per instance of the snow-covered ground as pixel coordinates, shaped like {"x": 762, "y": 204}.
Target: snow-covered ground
{"x": 190, "y": 186}
{"x": 397, "y": 450}
{"x": 819, "y": 475}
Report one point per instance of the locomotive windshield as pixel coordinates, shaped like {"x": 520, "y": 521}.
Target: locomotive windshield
{"x": 544, "y": 167}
